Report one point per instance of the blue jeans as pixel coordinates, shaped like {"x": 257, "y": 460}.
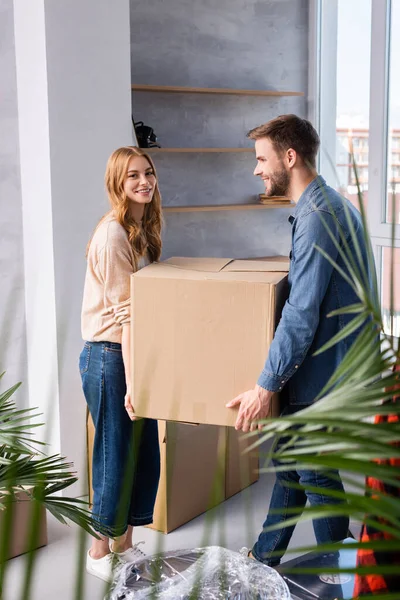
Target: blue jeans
{"x": 126, "y": 454}
{"x": 327, "y": 529}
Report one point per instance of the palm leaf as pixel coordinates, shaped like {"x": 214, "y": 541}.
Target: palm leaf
{"x": 24, "y": 467}
{"x": 350, "y": 328}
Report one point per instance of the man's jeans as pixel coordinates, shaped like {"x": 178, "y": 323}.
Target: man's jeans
{"x": 126, "y": 455}
{"x": 326, "y": 529}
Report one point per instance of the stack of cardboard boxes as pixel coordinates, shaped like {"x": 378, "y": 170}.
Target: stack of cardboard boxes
{"x": 201, "y": 466}
{"x": 200, "y": 336}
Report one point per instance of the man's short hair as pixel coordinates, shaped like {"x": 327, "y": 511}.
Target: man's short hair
{"x": 290, "y": 131}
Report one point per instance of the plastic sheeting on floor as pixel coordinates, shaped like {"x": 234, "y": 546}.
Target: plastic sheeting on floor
{"x": 211, "y": 573}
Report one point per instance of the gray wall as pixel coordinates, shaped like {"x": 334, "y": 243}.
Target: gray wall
{"x": 12, "y": 297}
{"x": 247, "y": 44}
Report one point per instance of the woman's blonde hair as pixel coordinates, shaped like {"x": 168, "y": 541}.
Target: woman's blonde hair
{"x": 144, "y": 237}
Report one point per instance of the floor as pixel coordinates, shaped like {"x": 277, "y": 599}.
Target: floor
{"x": 233, "y": 524}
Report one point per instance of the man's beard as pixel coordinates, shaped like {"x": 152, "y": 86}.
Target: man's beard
{"x": 279, "y": 183}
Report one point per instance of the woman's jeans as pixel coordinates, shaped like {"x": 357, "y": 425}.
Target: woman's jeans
{"x": 126, "y": 455}
{"x": 326, "y": 529}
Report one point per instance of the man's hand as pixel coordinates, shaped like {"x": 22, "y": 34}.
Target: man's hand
{"x": 129, "y": 404}
{"x": 254, "y": 405}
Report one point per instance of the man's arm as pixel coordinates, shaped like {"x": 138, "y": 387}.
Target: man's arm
{"x": 310, "y": 276}
{"x": 311, "y": 273}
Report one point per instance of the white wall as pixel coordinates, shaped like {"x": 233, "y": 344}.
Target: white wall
{"x": 73, "y": 67}
{"x": 12, "y": 297}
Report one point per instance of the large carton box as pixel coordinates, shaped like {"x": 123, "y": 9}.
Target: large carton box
{"x": 21, "y": 525}
{"x": 201, "y": 334}
{"x": 242, "y": 465}
{"x": 193, "y": 462}
{"x": 200, "y": 467}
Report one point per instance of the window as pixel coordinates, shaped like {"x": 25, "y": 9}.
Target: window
{"x": 393, "y": 108}
{"x": 352, "y": 90}
{"x": 359, "y": 158}
{"x": 388, "y": 276}
{"x": 395, "y": 158}
{"x": 365, "y": 53}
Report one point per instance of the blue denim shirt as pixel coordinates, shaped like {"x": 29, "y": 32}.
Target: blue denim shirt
{"x": 315, "y": 289}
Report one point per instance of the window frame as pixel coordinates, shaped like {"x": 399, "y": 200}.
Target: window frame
{"x": 323, "y": 57}
{"x": 379, "y": 122}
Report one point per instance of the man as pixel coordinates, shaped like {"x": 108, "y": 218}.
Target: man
{"x": 286, "y": 150}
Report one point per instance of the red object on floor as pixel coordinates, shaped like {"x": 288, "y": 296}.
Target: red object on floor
{"x": 366, "y": 585}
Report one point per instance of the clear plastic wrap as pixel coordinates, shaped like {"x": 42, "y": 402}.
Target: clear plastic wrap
{"x": 210, "y": 573}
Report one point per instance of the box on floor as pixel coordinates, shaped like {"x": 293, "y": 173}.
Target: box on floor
{"x": 201, "y": 466}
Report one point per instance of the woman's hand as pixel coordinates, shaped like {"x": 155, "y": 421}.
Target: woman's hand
{"x": 126, "y": 355}
{"x": 129, "y": 404}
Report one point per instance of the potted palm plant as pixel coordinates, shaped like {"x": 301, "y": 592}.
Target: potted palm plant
{"x": 29, "y": 476}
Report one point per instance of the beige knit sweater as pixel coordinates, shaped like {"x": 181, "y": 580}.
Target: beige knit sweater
{"x": 106, "y": 296}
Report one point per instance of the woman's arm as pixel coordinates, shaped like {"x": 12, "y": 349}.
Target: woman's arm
{"x": 126, "y": 355}
{"x": 115, "y": 268}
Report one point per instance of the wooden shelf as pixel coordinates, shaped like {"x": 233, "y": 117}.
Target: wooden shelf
{"x": 222, "y": 207}
{"x": 197, "y": 150}
{"x": 173, "y": 89}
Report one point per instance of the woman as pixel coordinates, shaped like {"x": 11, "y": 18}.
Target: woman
{"x": 126, "y": 461}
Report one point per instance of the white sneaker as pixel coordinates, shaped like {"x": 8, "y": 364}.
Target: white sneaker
{"x": 133, "y": 554}
{"x": 105, "y": 568}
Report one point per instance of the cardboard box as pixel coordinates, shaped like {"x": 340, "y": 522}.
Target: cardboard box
{"x": 201, "y": 334}
{"x": 241, "y": 466}
{"x": 21, "y": 524}
{"x": 192, "y": 478}
{"x": 201, "y": 465}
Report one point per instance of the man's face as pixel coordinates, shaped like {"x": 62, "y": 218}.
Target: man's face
{"x": 272, "y": 169}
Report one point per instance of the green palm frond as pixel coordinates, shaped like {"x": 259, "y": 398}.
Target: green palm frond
{"x": 24, "y": 466}
{"x": 16, "y": 425}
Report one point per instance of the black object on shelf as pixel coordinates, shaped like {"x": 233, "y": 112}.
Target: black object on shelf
{"x": 145, "y": 135}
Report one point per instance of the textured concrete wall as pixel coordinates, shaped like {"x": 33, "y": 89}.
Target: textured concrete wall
{"x": 247, "y": 44}
{"x": 12, "y": 301}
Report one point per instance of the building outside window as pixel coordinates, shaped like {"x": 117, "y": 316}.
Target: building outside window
{"x": 367, "y": 121}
